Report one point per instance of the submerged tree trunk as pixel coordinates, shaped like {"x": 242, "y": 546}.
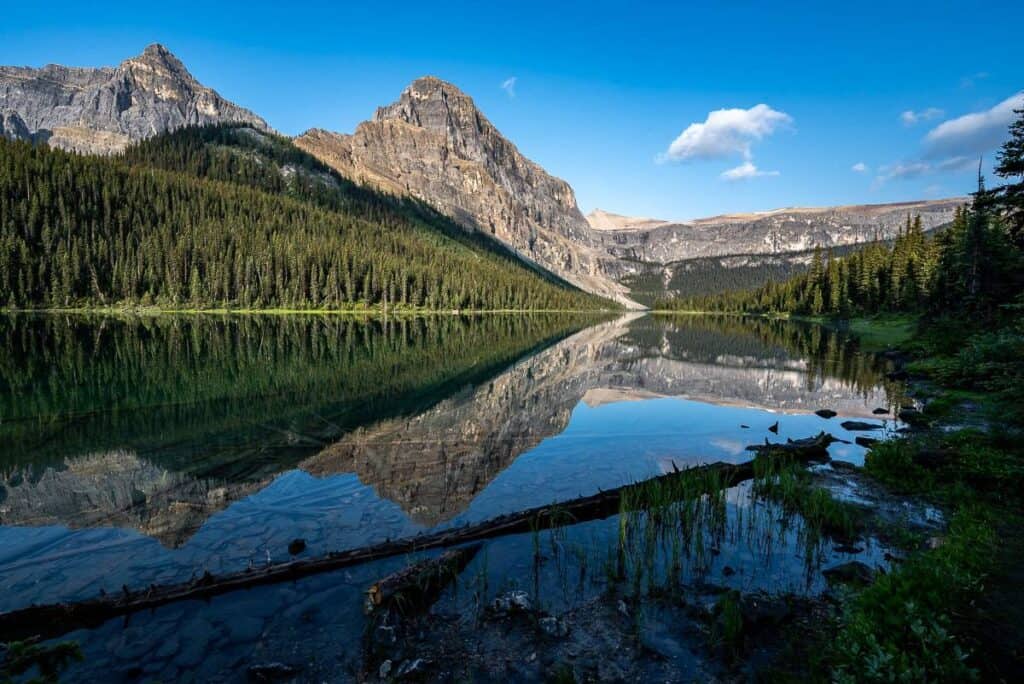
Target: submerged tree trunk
{"x": 416, "y": 587}
{"x": 48, "y": 621}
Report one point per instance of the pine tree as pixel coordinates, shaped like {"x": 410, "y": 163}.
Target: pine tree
{"x": 1010, "y": 198}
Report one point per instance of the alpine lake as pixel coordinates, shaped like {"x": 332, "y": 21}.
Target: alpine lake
{"x": 143, "y": 451}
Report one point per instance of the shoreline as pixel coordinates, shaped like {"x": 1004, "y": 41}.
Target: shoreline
{"x": 221, "y": 311}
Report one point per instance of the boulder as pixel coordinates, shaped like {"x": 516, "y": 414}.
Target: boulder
{"x": 857, "y": 425}
{"x": 852, "y": 572}
{"x": 913, "y": 417}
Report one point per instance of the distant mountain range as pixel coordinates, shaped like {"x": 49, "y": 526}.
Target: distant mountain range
{"x": 435, "y": 145}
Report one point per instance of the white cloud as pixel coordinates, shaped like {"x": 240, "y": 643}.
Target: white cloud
{"x": 509, "y": 86}
{"x": 973, "y": 134}
{"x": 726, "y": 133}
{"x": 744, "y": 171}
{"x": 859, "y": 167}
{"x": 909, "y": 117}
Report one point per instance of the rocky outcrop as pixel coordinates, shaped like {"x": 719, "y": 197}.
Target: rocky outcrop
{"x": 12, "y": 127}
{"x": 102, "y": 110}
{"x": 435, "y": 145}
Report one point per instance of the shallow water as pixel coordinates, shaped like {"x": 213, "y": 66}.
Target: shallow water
{"x": 139, "y": 451}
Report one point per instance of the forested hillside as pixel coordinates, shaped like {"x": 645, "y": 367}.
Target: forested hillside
{"x": 232, "y": 217}
{"x": 973, "y": 260}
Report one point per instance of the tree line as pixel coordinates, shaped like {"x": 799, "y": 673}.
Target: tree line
{"x": 232, "y": 395}
{"x": 220, "y": 217}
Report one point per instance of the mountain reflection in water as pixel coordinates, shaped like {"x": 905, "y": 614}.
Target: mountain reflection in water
{"x": 138, "y": 450}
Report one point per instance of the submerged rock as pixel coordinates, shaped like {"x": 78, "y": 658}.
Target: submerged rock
{"x": 297, "y": 546}
{"x": 866, "y": 441}
{"x": 881, "y": 411}
{"x": 853, "y": 572}
{"x": 273, "y": 672}
{"x": 515, "y": 601}
{"x": 413, "y": 667}
{"x": 856, "y": 425}
{"x": 848, "y": 548}
{"x": 384, "y": 670}
{"x": 825, "y": 413}
{"x": 913, "y": 417}
{"x": 553, "y": 626}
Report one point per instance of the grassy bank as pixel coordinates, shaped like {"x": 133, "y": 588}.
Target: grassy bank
{"x": 950, "y": 611}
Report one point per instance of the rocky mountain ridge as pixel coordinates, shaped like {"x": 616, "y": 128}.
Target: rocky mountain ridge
{"x": 434, "y": 144}
{"x": 775, "y": 232}
{"x": 102, "y": 110}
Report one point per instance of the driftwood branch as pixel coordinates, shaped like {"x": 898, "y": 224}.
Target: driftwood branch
{"x": 48, "y": 621}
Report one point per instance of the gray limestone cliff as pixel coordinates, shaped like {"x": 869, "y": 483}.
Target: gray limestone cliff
{"x": 102, "y": 110}
{"x": 782, "y": 231}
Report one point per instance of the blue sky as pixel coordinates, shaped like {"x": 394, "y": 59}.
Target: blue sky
{"x": 602, "y": 91}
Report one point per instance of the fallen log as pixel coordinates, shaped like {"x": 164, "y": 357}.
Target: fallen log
{"x": 52, "y": 620}
{"x": 807, "y": 450}
{"x": 417, "y": 586}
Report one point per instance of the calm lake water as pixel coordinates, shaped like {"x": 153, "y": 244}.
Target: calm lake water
{"x": 149, "y": 450}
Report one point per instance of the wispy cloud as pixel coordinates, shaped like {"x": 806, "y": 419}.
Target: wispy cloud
{"x": 916, "y": 169}
{"x": 911, "y": 169}
{"x": 744, "y": 171}
{"x": 957, "y": 144}
{"x": 975, "y": 133}
{"x": 859, "y": 167}
{"x": 910, "y": 117}
{"x": 509, "y": 86}
{"x": 969, "y": 81}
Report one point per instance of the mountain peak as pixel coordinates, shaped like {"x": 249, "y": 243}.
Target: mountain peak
{"x": 429, "y": 102}
{"x": 103, "y": 110}
{"x": 157, "y": 50}
{"x": 432, "y": 84}
{"x": 158, "y": 58}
